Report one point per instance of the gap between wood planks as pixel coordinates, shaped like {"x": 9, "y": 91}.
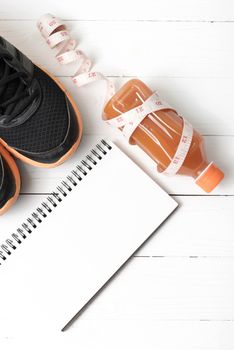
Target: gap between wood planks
{"x": 124, "y": 20}
{"x": 170, "y": 194}
{"x": 184, "y": 256}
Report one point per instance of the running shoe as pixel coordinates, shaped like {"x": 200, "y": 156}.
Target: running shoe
{"x": 39, "y": 120}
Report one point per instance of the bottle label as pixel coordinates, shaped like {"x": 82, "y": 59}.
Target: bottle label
{"x": 130, "y": 120}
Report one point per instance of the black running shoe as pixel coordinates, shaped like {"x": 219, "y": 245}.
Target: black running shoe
{"x": 39, "y": 121}
{"x": 9, "y": 181}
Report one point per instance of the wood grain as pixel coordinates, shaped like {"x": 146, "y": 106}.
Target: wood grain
{"x": 159, "y": 10}
{"x": 191, "y": 97}
{"x": 187, "y": 49}
{"x": 181, "y": 289}
{"x": 137, "y": 334}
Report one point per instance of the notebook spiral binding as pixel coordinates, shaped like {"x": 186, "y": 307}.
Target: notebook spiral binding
{"x": 53, "y": 200}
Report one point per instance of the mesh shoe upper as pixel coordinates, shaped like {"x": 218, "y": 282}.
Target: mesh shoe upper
{"x": 47, "y": 127}
{"x": 36, "y": 117}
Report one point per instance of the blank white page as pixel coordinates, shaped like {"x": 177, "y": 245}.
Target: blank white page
{"x": 76, "y": 249}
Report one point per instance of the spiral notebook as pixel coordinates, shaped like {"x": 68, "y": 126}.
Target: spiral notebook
{"x": 74, "y": 240}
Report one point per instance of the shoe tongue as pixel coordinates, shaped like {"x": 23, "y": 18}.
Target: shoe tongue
{"x": 8, "y": 90}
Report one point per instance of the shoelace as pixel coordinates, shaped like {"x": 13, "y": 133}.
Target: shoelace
{"x": 11, "y": 106}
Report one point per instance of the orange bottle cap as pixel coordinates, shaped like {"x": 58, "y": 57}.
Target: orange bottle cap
{"x": 209, "y": 178}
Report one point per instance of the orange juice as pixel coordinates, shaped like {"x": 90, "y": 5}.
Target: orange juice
{"x": 159, "y": 135}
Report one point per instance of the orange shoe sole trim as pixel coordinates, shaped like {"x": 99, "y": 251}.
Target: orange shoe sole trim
{"x": 15, "y": 171}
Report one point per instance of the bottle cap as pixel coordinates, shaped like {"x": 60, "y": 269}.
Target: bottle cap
{"x": 210, "y": 177}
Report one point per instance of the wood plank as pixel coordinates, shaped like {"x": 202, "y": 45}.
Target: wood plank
{"x": 147, "y": 10}
{"x": 192, "y": 96}
{"x": 131, "y": 334}
{"x": 168, "y": 289}
{"x": 219, "y": 148}
{"x": 167, "y": 49}
{"x": 201, "y": 227}
{"x": 205, "y": 102}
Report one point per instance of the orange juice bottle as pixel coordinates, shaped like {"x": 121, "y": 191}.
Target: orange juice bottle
{"x": 168, "y": 139}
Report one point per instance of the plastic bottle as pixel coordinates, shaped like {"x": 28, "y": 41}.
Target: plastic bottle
{"x": 159, "y": 135}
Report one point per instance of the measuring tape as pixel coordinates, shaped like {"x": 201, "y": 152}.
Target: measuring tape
{"x": 130, "y": 120}
{"x": 57, "y": 37}
{"x": 56, "y": 34}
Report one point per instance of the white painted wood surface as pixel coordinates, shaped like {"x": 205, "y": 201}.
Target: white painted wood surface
{"x": 177, "y": 292}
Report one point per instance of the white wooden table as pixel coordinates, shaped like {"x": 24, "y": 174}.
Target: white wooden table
{"x": 178, "y": 291}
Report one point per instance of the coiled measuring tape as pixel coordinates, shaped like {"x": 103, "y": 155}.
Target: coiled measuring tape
{"x": 58, "y": 38}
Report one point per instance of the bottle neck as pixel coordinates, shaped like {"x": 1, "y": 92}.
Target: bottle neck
{"x": 201, "y": 169}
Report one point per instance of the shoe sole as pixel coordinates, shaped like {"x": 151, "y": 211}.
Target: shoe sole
{"x": 71, "y": 150}
{"x": 15, "y": 171}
